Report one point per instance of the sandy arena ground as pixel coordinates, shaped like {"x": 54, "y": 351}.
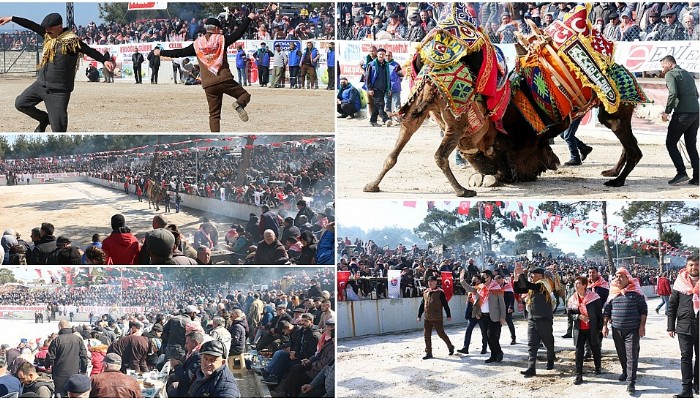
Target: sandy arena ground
{"x": 81, "y": 209}
{"x": 361, "y": 152}
{"x": 391, "y": 366}
{"x": 166, "y": 107}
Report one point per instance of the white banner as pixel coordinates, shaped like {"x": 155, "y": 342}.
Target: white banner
{"x": 394, "y": 288}
{"x": 121, "y": 54}
{"x": 148, "y": 5}
{"x": 646, "y": 56}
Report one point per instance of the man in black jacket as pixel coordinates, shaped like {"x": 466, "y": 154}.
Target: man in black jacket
{"x": 137, "y": 60}
{"x": 43, "y": 249}
{"x": 67, "y": 356}
{"x": 57, "y": 68}
{"x": 683, "y": 309}
{"x": 154, "y": 64}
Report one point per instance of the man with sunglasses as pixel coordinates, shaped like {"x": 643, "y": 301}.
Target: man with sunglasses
{"x": 671, "y": 28}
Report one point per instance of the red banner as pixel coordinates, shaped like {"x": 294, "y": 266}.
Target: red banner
{"x": 148, "y": 5}
{"x": 343, "y": 277}
{"x": 447, "y": 284}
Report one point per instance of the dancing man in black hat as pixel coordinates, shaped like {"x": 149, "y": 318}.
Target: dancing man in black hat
{"x": 57, "y": 68}
{"x": 217, "y": 78}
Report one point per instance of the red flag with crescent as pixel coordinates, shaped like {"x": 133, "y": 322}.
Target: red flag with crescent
{"x": 343, "y": 277}
{"x": 447, "y": 284}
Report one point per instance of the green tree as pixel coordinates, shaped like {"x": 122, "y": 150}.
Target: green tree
{"x": 4, "y": 147}
{"x": 659, "y": 215}
{"x": 532, "y": 239}
{"x": 7, "y": 276}
{"x": 438, "y": 226}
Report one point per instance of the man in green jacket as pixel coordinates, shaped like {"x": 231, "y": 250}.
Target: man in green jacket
{"x": 683, "y": 101}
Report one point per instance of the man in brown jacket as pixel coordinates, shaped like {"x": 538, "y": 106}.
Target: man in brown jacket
{"x": 434, "y": 301}
{"x": 217, "y": 80}
{"x": 112, "y": 383}
{"x": 132, "y": 348}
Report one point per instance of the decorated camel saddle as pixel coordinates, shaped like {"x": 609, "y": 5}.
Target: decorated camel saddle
{"x": 440, "y": 59}
{"x": 568, "y": 69}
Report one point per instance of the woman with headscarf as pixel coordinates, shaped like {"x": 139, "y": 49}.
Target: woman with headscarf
{"x": 586, "y": 309}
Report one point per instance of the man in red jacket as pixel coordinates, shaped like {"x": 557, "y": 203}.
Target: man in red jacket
{"x": 663, "y": 289}
{"x": 121, "y": 246}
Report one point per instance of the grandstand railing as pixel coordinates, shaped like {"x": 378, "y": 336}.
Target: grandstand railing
{"x": 20, "y": 52}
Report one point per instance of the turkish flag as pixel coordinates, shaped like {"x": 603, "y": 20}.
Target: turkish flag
{"x": 524, "y": 217}
{"x": 409, "y": 204}
{"x": 447, "y": 284}
{"x": 464, "y": 208}
{"x": 488, "y": 210}
{"x": 343, "y": 277}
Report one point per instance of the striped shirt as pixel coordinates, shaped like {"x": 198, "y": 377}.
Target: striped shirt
{"x": 625, "y": 311}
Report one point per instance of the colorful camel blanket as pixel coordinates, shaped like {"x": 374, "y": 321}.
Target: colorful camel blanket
{"x": 441, "y": 52}
{"x": 569, "y": 69}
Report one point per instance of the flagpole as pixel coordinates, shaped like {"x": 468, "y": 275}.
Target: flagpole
{"x": 481, "y": 233}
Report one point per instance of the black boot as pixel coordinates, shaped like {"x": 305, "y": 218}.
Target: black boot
{"x": 578, "y": 380}
{"x": 428, "y": 356}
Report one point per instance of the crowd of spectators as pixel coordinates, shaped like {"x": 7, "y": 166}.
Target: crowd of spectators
{"x": 278, "y": 176}
{"x": 618, "y": 21}
{"x": 174, "y": 337}
{"x": 365, "y": 259}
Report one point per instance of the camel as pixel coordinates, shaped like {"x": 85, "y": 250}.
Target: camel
{"x": 154, "y": 193}
{"x": 516, "y": 151}
{"x": 458, "y": 130}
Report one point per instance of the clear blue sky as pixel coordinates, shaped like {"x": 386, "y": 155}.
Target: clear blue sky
{"x": 84, "y": 12}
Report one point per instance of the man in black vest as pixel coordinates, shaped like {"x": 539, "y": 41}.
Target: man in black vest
{"x": 57, "y": 68}
{"x": 137, "y": 59}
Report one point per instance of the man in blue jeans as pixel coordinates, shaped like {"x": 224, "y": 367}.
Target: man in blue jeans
{"x": 575, "y": 144}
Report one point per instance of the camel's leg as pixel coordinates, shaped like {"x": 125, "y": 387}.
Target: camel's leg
{"x": 621, "y": 124}
{"x": 447, "y": 146}
{"x": 408, "y": 128}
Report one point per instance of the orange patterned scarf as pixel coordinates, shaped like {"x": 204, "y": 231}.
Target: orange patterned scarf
{"x": 633, "y": 286}
{"x": 211, "y": 51}
{"x": 575, "y": 301}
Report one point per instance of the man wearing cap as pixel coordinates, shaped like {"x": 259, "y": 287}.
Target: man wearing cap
{"x": 683, "y": 102}
{"x": 378, "y": 86}
{"x": 65, "y": 253}
{"x": 214, "y": 379}
{"x": 330, "y": 66}
{"x": 217, "y": 78}
{"x": 8, "y": 383}
{"x": 132, "y": 348}
{"x": 262, "y": 59}
{"x": 612, "y": 29}
{"x": 303, "y": 209}
{"x": 627, "y": 309}
{"x": 348, "y": 99}
{"x": 161, "y": 244}
{"x": 56, "y": 75}
{"x": 434, "y": 301}
{"x": 671, "y": 29}
{"x": 540, "y": 318}
{"x": 279, "y": 62}
{"x": 78, "y": 386}
{"x": 112, "y": 383}
{"x": 121, "y": 245}
{"x": 67, "y": 356}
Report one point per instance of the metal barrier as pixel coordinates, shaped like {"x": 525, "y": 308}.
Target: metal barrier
{"x": 19, "y": 52}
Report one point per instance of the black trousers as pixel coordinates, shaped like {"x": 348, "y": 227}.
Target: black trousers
{"x": 264, "y": 75}
{"x": 331, "y": 78}
{"x": 627, "y": 347}
{"x": 293, "y": 75}
{"x": 56, "y": 103}
{"x": 581, "y": 344}
{"x": 493, "y": 334}
{"x": 137, "y": 74}
{"x": 511, "y": 327}
{"x": 683, "y": 125}
{"x": 346, "y": 109}
{"x": 484, "y": 328}
{"x": 378, "y": 109}
{"x": 154, "y": 73}
{"x": 690, "y": 375}
{"x": 539, "y": 330}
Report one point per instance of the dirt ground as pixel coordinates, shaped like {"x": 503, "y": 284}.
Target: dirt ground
{"x": 166, "y": 107}
{"x": 80, "y": 209}
{"x": 391, "y": 366}
{"x": 361, "y": 151}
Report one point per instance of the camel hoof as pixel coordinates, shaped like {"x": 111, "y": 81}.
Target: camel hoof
{"x": 610, "y": 173}
{"x": 615, "y": 183}
{"x": 465, "y": 193}
{"x": 480, "y": 180}
{"x": 371, "y": 187}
